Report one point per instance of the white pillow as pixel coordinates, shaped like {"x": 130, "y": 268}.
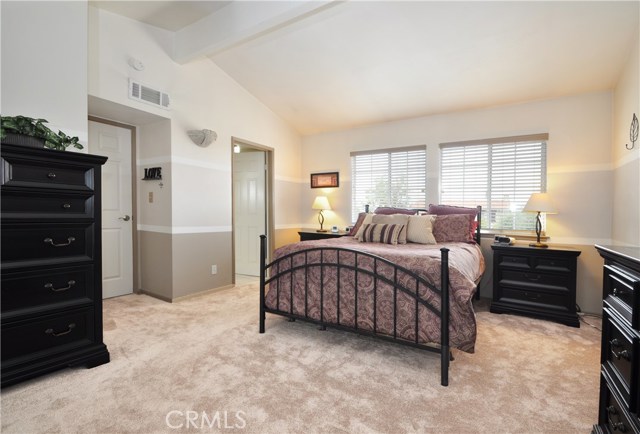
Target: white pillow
{"x": 420, "y": 229}
{"x": 368, "y": 219}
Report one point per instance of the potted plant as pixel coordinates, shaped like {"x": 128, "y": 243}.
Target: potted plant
{"x": 22, "y": 130}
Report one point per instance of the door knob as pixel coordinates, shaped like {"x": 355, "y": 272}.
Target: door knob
{"x": 126, "y": 218}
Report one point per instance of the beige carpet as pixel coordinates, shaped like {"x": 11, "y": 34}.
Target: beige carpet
{"x": 189, "y": 364}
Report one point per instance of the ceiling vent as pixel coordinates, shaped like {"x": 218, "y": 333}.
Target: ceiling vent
{"x": 149, "y": 95}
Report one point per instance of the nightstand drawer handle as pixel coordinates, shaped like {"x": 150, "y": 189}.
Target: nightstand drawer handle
{"x": 50, "y": 286}
{"x": 66, "y": 205}
{"x": 532, "y": 276}
{"x": 624, "y": 354}
{"x": 51, "y": 175}
{"x": 50, "y": 241}
{"x": 66, "y": 332}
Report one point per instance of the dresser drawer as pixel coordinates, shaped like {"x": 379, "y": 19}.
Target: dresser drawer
{"x": 47, "y": 243}
{"x": 46, "y": 288}
{"x": 559, "y": 265}
{"x": 622, "y": 291}
{"x": 48, "y": 333}
{"x": 620, "y": 354}
{"x": 616, "y": 417}
{"x": 23, "y": 172}
{"x": 514, "y": 261}
{"x": 29, "y": 204}
{"x": 535, "y": 280}
{"x": 534, "y": 299}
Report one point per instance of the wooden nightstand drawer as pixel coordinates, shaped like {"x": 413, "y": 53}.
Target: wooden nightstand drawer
{"x": 558, "y": 265}
{"x": 535, "y": 299}
{"x": 514, "y": 261}
{"x": 536, "y": 280}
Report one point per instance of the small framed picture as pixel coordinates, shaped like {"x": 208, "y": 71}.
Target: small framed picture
{"x": 325, "y": 180}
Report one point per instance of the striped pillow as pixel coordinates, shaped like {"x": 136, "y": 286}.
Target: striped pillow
{"x": 381, "y": 233}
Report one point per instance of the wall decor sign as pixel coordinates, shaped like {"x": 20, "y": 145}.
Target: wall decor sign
{"x": 325, "y": 180}
{"x": 151, "y": 173}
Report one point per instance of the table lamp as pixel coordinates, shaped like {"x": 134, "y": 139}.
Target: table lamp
{"x": 540, "y": 203}
{"x": 321, "y": 203}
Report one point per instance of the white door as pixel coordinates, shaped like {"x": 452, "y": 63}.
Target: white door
{"x": 117, "y": 220}
{"x": 249, "y": 210}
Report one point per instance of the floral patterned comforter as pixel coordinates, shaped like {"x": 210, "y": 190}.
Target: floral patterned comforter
{"x": 345, "y": 303}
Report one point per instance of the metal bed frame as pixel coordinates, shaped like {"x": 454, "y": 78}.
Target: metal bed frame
{"x": 272, "y": 274}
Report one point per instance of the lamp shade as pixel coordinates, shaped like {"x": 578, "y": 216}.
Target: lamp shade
{"x": 321, "y": 202}
{"x": 540, "y": 202}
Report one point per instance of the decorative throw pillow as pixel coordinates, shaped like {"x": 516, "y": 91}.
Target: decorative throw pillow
{"x": 354, "y": 229}
{"x": 381, "y": 233}
{"x": 420, "y": 229}
{"x": 452, "y": 227}
{"x": 451, "y": 209}
{"x": 368, "y": 218}
{"x": 387, "y": 210}
{"x": 395, "y": 219}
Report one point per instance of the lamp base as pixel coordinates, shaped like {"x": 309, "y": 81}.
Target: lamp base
{"x": 322, "y": 230}
{"x": 539, "y": 245}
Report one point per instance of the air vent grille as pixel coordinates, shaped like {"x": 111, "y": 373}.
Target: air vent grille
{"x": 149, "y": 95}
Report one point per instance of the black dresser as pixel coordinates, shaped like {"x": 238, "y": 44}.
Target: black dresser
{"x": 310, "y": 235}
{"x": 536, "y": 282}
{"x": 51, "y": 261}
{"x": 619, "y": 409}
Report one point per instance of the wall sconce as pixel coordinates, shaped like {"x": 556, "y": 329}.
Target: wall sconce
{"x": 321, "y": 203}
{"x": 539, "y": 202}
{"x": 202, "y": 138}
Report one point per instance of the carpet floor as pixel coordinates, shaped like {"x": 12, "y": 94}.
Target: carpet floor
{"x": 200, "y": 365}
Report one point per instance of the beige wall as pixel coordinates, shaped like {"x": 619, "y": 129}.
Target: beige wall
{"x": 580, "y": 175}
{"x": 626, "y": 163}
{"x": 193, "y": 207}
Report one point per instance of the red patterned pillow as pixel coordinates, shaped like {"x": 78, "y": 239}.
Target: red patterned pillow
{"x": 451, "y": 209}
{"x": 381, "y": 233}
{"x": 354, "y": 229}
{"x": 453, "y": 227}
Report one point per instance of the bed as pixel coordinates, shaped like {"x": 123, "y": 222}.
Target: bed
{"x": 418, "y": 295}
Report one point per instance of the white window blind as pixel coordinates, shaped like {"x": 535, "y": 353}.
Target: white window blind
{"x": 499, "y": 174}
{"x": 394, "y": 177}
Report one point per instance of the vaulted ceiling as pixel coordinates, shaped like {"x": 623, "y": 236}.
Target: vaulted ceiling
{"x": 338, "y": 65}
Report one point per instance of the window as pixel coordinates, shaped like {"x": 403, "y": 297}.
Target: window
{"x": 499, "y": 174}
{"x": 392, "y": 177}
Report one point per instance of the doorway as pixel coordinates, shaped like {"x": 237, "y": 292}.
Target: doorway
{"x": 251, "y": 167}
{"x": 117, "y": 142}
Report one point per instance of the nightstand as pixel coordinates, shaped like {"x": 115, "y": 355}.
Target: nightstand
{"x": 308, "y": 235}
{"x": 536, "y": 282}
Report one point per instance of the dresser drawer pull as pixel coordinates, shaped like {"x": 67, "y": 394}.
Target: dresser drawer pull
{"x": 66, "y": 332}
{"x": 50, "y": 241}
{"x": 51, "y": 175}
{"x": 619, "y": 426}
{"x": 624, "y": 354}
{"x": 612, "y": 410}
{"x": 69, "y": 283}
{"x": 532, "y": 276}
{"x": 66, "y": 205}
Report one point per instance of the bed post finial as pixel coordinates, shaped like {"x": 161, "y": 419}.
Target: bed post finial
{"x": 263, "y": 256}
{"x": 445, "y": 353}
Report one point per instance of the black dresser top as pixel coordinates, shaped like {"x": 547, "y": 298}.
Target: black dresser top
{"x": 630, "y": 253}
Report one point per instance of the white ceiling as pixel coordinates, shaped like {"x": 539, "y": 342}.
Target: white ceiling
{"x": 362, "y": 62}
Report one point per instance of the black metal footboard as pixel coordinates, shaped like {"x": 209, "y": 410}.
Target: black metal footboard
{"x": 291, "y": 266}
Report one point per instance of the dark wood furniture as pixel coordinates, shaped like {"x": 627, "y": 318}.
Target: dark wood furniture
{"x": 309, "y": 235}
{"x": 537, "y": 282}
{"x": 619, "y": 409}
{"x": 51, "y": 261}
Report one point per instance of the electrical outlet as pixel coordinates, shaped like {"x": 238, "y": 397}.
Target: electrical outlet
{"x": 214, "y": 269}
{"x": 151, "y": 197}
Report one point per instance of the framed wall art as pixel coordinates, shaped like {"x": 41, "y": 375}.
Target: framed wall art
{"x": 325, "y": 180}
